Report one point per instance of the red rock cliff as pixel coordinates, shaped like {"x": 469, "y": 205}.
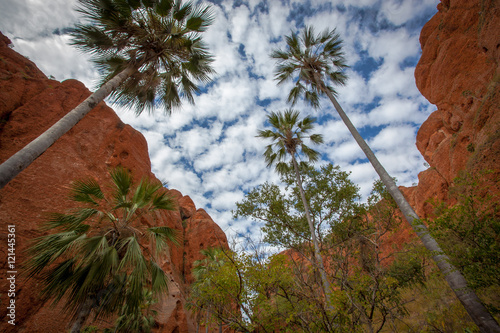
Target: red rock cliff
{"x": 29, "y": 104}
{"x": 459, "y": 73}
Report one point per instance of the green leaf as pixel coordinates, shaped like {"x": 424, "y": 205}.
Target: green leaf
{"x": 194, "y": 23}
{"x": 163, "y": 7}
{"x": 135, "y": 4}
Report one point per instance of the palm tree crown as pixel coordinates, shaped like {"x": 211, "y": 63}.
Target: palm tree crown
{"x": 99, "y": 256}
{"x": 158, "y": 38}
{"x": 288, "y": 136}
{"x": 310, "y": 61}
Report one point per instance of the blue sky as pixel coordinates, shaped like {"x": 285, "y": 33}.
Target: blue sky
{"x": 209, "y": 150}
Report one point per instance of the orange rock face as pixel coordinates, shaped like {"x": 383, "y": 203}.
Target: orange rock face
{"x": 29, "y": 104}
{"x": 459, "y": 73}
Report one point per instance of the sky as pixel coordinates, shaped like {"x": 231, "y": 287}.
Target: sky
{"x": 209, "y": 150}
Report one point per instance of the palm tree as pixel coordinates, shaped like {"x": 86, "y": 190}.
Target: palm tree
{"x": 288, "y": 136}
{"x": 311, "y": 61}
{"x": 150, "y": 52}
{"x": 99, "y": 257}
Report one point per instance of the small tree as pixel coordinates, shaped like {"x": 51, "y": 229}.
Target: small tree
{"x": 218, "y": 288}
{"x": 97, "y": 258}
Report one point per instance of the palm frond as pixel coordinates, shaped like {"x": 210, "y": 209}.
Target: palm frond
{"x": 48, "y": 249}
{"x": 311, "y": 154}
{"x": 287, "y": 136}
{"x": 316, "y": 138}
{"x": 133, "y": 257}
{"x": 160, "y": 236}
{"x": 312, "y": 98}
{"x": 200, "y": 19}
{"x": 162, "y": 201}
{"x": 163, "y": 7}
{"x": 65, "y": 222}
{"x": 86, "y": 191}
{"x": 123, "y": 182}
{"x": 159, "y": 280}
{"x": 295, "y": 93}
{"x": 309, "y": 58}
{"x": 108, "y": 267}
{"x": 283, "y": 168}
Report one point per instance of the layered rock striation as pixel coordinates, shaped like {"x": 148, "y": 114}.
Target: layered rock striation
{"x": 29, "y": 104}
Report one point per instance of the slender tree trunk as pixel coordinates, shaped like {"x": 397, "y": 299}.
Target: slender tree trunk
{"x": 319, "y": 259}
{"x": 82, "y": 315}
{"x": 206, "y": 323}
{"x": 472, "y": 304}
{"x": 23, "y": 158}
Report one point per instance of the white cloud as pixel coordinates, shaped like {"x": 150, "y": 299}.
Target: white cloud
{"x": 394, "y": 46}
{"x": 224, "y": 153}
{"x": 195, "y": 141}
{"x": 58, "y": 58}
{"x": 240, "y": 20}
{"x": 345, "y": 152}
{"x": 36, "y": 18}
{"x": 225, "y": 201}
{"x": 394, "y": 111}
{"x": 355, "y": 91}
{"x": 399, "y": 12}
{"x": 389, "y": 80}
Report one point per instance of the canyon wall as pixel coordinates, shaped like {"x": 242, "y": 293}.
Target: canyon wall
{"x": 459, "y": 73}
{"x": 29, "y": 104}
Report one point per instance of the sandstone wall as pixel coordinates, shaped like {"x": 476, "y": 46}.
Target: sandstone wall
{"x": 459, "y": 73}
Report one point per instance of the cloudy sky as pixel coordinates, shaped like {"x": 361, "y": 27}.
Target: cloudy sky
{"x": 209, "y": 150}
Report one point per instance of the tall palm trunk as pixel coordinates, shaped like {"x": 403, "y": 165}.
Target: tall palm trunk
{"x": 319, "y": 259}
{"x": 23, "y": 158}
{"x": 82, "y": 315}
{"x": 472, "y": 304}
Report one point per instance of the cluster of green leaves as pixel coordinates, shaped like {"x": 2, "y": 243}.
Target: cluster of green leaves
{"x": 311, "y": 61}
{"x": 330, "y": 193}
{"x": 218, "y": 289}
{"x": 100, "y": 255}
{"x": 283, "y": 291}
{"x": 248, "y": 294}
{"x": 288, "y": 134}
{"x": 470, "y": 232}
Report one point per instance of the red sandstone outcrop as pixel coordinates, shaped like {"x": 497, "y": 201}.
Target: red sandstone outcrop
{"x": 459, "y": 73}
{"x": 29, "y": 104}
